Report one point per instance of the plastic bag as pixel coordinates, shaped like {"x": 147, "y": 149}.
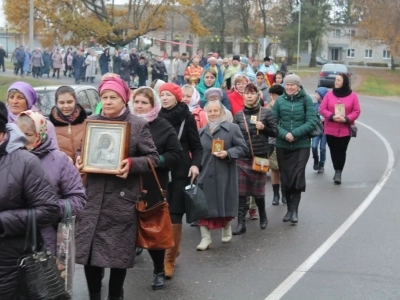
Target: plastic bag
{"x": 195, "y": 204}
{"x": 66, "y": 247}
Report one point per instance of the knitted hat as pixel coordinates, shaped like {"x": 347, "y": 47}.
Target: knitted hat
{"x": 117, "y": 85}
{"x": 213, "y": 92}
{"x": 3, "y": 117}
{"x": 292, "y": 78}
{"x": 236, "y": 57}
{"x": 244, "y": 61}
{"x": 172, "y": 88}
{"x": 321, "y": 91}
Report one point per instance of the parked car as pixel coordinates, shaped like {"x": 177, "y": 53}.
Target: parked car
{"x": 321, "y": 61}
{"x": 87, "y": 96}
{"x": 328, "y": 74}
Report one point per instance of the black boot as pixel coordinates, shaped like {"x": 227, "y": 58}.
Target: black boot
{"x": 241, "y": 227}
{"x": 338, "y": 177}
{"x": 295, "y": 207}
{"x": 286, "y": 218}
{"x": 158, "y": 280}
{"x": 316, "y": 163}
{"x": 117, "y": 298}
{"x": 262, "y": 213}
{"x": 320, "y": 168}
{"x": 283, "y": 197}
{"x": 95, "y": 296}
{"x": 275, "y": 188}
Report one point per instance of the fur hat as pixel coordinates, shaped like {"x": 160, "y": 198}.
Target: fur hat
{"x": 236, "y": 57}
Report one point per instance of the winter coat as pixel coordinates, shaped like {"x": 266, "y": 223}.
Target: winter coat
{"x": 134, "y": 58}
{"x": 57, "y": 60}
{"x": 294, "y": 114}
{"x": 327, "y": 110}
{"x": 116, "y": 64}
{"x": 69, "y": 135}
{"x": 27, "y": 62}
{"x": 236, "y": 101}
{"x": 91, "y": 63}
{"x": 125, "y": 71}
{"x": 170, "y": 154}
{"x": 66, "y": 181}
{"x": 180, "y": 67}
{"x": 70, "y": 58}
{"x": 104, "y": 62}
{"x": 24, "y": 184}
{"x": 142, "y": 71}
{"x": 200, "y": 117}
{"x": 259, "y": 138}
{"x": 218, "y": 177}
{"x": 20, "y": 55}
{"x": 106, "y": 229}
{"x": 37, "y": 59}
{"x": 46, "y": 63}
{"x": 3, "y": 55}
{"x": 158, "y": 70}
{"x": 77, "y": 65}
{"x": 192, "y": 153}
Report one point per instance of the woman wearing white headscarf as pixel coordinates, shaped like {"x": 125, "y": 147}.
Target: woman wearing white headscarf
{"x": 191, "y": 98}
{"x": 221, "y": 192}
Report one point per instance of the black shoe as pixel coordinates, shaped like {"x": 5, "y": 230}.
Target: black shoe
{"x": 262, "y": 213}
{"x": 337, "y": 179}
{"x": 158, "y": 281}
{"x": 275, "y": 200}
{"x": 138, "y": 251}
{"x": 293, "y": 218}
{"x": 321, "y": 168}
{"x": 243, "y": 207}
{"x": 295, "y": 208}
{"x": 193, "y": 224}
{"x": 284, "y": 198}
{"x": 117, "y": 298}
{"x": 316, "y": 164}
{"x": 95, "y": 296}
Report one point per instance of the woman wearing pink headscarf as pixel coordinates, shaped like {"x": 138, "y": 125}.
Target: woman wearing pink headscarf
{"x": 107, "y": 227}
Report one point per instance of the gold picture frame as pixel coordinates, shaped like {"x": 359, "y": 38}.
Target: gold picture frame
{"x": 217, "y": 146}
{"x": 104, "y": 146}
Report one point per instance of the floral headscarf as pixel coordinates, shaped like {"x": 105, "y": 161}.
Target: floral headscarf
{"x": 40, "y": 126}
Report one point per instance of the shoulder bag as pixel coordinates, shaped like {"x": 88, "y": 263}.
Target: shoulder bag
{"x": 154, "y": 224}
{"x": 259, "y": 164}
{"x": 38, "y": 276}
{"x": 319, "y": 128}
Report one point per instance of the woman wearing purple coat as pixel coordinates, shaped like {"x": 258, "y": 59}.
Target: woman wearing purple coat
{"x": 63, "y": 175}
{"x": 20, "y": 97}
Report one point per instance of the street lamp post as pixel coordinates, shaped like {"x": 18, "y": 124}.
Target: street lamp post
{"x": 7, "y": 39}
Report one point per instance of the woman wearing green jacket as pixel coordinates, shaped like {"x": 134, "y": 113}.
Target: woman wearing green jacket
{"x": 295, "y": 115}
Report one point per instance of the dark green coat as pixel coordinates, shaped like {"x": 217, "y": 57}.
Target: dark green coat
{"x": 295, "y": 114}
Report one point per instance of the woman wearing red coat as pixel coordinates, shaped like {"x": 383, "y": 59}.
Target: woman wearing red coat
{"x": 235, "y": 95}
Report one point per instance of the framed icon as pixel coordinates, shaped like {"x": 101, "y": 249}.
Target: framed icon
{"x": 217, "y": 146}
{"x": 340, "y": 110}
{"x": 104, "y": 146}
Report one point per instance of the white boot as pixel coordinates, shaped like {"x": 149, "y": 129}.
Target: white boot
{"x": 205, "y": 238}
{"x": 227, "y": 233}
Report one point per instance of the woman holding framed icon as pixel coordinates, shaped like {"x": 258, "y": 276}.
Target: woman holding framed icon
{"x": 107, "y": 227}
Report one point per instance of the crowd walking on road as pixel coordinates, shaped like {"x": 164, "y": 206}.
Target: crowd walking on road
{"x": 201, "y": 146}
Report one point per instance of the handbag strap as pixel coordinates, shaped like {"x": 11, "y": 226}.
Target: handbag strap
{"x": 248, "y": 133}
{"x": 31, "y": 239}
{"x": 67, "y": 217}
{"x": 181, "y": 129}
{"x": 156, "y": 178}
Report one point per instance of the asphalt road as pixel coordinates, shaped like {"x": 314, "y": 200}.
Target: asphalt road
{"x": 362, "y": 264}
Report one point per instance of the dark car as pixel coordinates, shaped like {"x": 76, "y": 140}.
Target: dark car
{"x": 329, "y": 72}
{"x": 87, "y": 96}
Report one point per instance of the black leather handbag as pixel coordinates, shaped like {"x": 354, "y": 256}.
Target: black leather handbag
{"x": 38, "y": 276}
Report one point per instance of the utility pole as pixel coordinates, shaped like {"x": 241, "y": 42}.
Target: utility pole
{"x": 31, "y": 6}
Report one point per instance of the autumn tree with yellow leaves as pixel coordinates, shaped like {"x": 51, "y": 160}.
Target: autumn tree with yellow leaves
{"x": 71, "y": 21}
{"x": 380, "y": 21}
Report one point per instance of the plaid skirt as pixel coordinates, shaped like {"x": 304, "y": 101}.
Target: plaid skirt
{"x": 251, "y": 183}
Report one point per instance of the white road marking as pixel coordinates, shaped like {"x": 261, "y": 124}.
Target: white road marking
{"x": 293, "y": 278}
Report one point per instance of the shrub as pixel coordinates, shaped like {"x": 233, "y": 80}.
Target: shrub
{"x": 385, "y": 65}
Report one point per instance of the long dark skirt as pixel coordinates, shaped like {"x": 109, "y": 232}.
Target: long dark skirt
{"x": 292, "y": 166}
{"x": 251, "y": 183}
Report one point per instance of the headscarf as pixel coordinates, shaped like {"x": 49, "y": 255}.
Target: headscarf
{"x": 153, "y": 114}
{"x": 29, "y": 94}
{"x": 201, "y": 87}
{"x": 40, "y": 126}
{"x": 158, "y": 84}
{"x": 345, "y": 90}
{"x": 195, "y": 101}
{"x": 222, "y": 118}
{"x": 117, "y": 85}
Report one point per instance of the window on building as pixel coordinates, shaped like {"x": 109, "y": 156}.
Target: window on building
{"x": 255, "y": 49}
{"x": 243, "y": 48}
{"x": 386, "y": 54}
{"x": 351, "y": 53}
{"x": 175, "y": 47}
{"x": 229, "y": 47}
{"x": 336, "y": 33}
{"x": 368, "y": 53}
{"x": 163, "y": 46}
{"x": 352, "y": 33}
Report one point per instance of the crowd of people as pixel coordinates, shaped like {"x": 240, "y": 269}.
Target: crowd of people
{"x": 261, "y": 119}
